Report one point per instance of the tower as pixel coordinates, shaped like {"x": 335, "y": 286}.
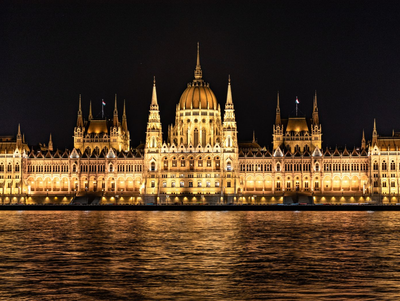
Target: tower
{"x": 152, "y": 147}
{"x": 79, "y": 128}
{"x": 230, "y": 144}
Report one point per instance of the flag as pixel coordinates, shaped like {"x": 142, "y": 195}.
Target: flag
{"x": 297, "y": 100}
{"x": 103, "y": 102}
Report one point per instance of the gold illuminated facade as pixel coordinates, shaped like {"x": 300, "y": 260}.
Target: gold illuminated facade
{"x": 201, "y": 161}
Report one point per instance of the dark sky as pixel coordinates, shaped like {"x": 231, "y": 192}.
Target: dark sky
{"x": 347, "y": 50}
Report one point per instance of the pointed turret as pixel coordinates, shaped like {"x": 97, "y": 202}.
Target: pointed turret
{"x": 315, "y": 110}
{"x": 229, "y": 93}
{"x": 79, "y": 122}
{"x": 90, "y": 117}
{"x": 278, "y": 120}
{"x": 115, "y": 119}
{"x": 198, "y": 74}
{"x": 50, "y": 147}
{"x": 154, "y": 134}
{"x": 124, "y": 120}
{"x": 374, "y": 134}
{"x": 254, "y": 137}
{"x": 19, "y": 137}
{"x": 363, "y": 144}
{"x": 154, "y": 95}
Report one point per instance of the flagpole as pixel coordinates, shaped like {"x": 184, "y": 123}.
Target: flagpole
{"x": 102, "y": 109}
{"x": 297, "y": 106}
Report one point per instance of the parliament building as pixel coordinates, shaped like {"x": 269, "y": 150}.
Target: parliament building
{"x": 201, "y": 161}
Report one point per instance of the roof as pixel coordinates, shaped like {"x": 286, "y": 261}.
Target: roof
{"x": 97, "y": 127}
{"x": 297, "y": 124}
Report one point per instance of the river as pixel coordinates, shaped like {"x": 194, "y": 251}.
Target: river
{"x": 106, "y": 255}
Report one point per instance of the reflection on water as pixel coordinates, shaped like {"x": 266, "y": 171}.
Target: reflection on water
{"x": 199, "y": 255}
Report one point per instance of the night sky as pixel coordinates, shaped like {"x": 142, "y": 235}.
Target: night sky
{"x": 50, "y": 52}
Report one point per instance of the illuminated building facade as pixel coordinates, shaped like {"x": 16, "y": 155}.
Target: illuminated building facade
{"x": 201, "y": 161}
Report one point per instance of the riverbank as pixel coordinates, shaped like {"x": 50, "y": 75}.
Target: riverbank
{"x": 347, "y": 207}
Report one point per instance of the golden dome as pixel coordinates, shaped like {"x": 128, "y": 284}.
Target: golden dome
{"x": 198, "y": 95}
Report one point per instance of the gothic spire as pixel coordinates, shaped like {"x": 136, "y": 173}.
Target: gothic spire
{"x": 50, "y": 147}
{"x": 374, "y": 134}
{"x": 115, "y": 111}
{"x": 154, "y": 95}
{"x": 363, "y": 140}
{"x": 315, "y": 116}
{"x": 198, "y": 74}
{"x": 229, "y": 93}
{"x": 124, "y": 121}
{"x": 79, "y": 122}
{"x": 278, "y": 111}
{"x": 90, "y": 111}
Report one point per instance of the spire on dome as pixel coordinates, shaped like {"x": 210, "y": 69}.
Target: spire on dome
{"x": 198, "y": 74}
{"x": 154, "y": 95}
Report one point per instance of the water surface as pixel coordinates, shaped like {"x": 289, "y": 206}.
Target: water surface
{"x": 199, "y": 255}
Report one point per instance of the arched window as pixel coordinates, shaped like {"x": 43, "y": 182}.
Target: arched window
{"x": 375, "y": 165}
{"x": 111, "y": 168}
{"x": 228, "y": 142}
{"x": 196, "y": 137}
{"x": 228, "y": 166}
{"x": 392, "y": 165}
{"x": 152, "y": 166}
{"x": 316, "y": 167}
{"x": 384, "y": 166}
{"x": 278, "y": 167}
{"x": 203, "y": 137}
{"x": 74, "y": 168}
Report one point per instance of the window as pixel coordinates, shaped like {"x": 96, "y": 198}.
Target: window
{"x": 164, "y": 184}
{"x": 182, "y": 183}
{"x": 198, "y": 183}
{"x": 229, "y": 166}
{"x": 173, "y": 184}
{"x": 392, "y": 166}
{"x": 152, "y": 166}
{"x": 190, "y": 184}
{"x": 384, "y": 184}
{"x": 384, "y": 167}
{"x": 208, "y": 184}
{"x": 165, "y": 164}
{"x": 216, "y": 183}
{"x": 228, "y": 184}
{"x": 278, "y": 168}
{"x": 200, "y": 163}
{"x": 153, "y": 184}
{"x": 375, "y": 165}
{"x": 182, "y": 162}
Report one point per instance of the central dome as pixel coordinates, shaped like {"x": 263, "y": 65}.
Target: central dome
{"x": 198, "y": 95}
